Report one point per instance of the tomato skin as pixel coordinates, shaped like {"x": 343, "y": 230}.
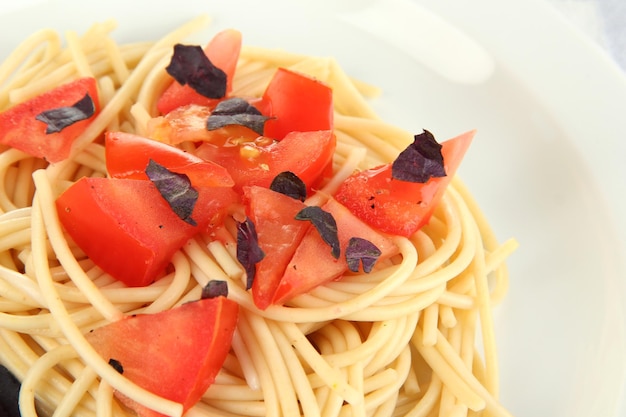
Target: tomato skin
{"x": 296, "y": 102}
{"x": 20, "y": 130}
{"x": 279, "y": 234}
{"x": 127, "y": 156}
{"x": 306, "y": 154}
{"x": 313, "y": 264}
{"x": 175, "y": 354}
{"x": 223, "y": 51}
{"x": 400, "y": 207}
{"x": 126, "y": 227}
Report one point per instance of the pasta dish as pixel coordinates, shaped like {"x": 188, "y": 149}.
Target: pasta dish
{"x": 264, "y": 246}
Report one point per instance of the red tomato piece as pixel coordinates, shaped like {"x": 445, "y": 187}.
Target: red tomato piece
{"x": 21, "y": 130}
{"x": 278, "y": 233}
{"x": 400, "y": 207}
{"x": 188, "y": 123}
{"x": 313, "y": 264}
{"x": 175, "y": 354}
{"x": 223, "y": 51}
{"x": 126, "y": 227}
{"x": 127, "y": 156}
{"x": 297, "y": 103}
{"x": 306, "y": 154}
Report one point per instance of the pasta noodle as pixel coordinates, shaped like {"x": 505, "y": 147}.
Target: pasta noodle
{"x": 400, "y": 341}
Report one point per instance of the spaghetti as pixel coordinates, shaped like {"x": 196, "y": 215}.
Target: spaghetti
{"x": 400, "y": 341}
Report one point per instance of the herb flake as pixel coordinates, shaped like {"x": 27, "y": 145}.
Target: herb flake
{"x": 117, "y": 365}
{"x": 236, "y": 111}
{"x": 249, "y": 253}
{"x": 214, "y": 289}
{"x": 325, "y": 224}
{"x": 362, "y": 251}
{"x": 420, "y": 161}
{"x": 190, "y": 66}
{"x": 62, "y": 117}
{"x": 289, "y": 184}
{"x": 175, "y": 188}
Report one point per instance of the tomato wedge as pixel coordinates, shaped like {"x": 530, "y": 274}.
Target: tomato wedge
{"x": 126, "y": 227}
{"x": 313, "y": 264}
{"x": 127, "y": 156}
{"x": 223, "y": 51}
{"x": 278, "y": 234}
{"x": 400, "y": 207}
{"x": 296, "y": 102}
{"x": 20, "y": 129}
{"x": 306, "y": 154}
{"x": 175, "y": 354}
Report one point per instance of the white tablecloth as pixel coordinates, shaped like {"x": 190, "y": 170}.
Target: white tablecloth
{"x": 604, "y": 21}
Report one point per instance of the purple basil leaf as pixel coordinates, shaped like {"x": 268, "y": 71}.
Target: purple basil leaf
{"x": 190, "y": 65}
{"x": 325, "y": 224}
{"x": 248, "y": 251}
{"x": 289, "y": 184}
{"x": 236, "y": 111}
{"x": 62, "y": 117}
{"x": 175, "y": 188}
{"x": 214, "y": 289}
{"x": 420, "y": 161}
{"x": 363, "y": 251}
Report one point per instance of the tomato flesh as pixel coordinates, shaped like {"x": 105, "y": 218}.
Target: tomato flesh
{"x": 278, "y": 232}
{"x": 313, "y": 264}
{"x": 296, "y": 102}
{"x": 306, "y": 154}
{"x": 223, "y": 51}
{"x": 175, "y": 354}
{"x": 20, "y": 130}
{"x": 400, "y": 207}
{"x": 188, "y": 124}
{"x": 127, "y": 156}
{"x": 126, "y": 227}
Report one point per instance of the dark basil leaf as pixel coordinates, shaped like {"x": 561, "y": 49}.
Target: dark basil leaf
{"x": 248, "y": 251}
{"x": 9, "y": 393}
{"x": 62, "y": 117}
{"x": 289, "y": 184}
{"x": 117, "y": 365}
{"x": 175, "y": 188}
{"x": 190, "y": 65}
{"x": 236, "y": 111}
{"x": 325, "y": 224}
{"x": 214, "y": 289}
{"x": 420, "y": 161}
{"x": 361, "y": 250}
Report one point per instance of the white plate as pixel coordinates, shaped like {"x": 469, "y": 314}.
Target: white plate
{"x": 546, "y": 165}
